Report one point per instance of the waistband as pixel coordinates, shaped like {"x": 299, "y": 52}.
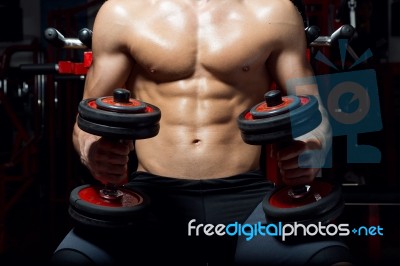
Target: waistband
{"x": 239, "y": 180}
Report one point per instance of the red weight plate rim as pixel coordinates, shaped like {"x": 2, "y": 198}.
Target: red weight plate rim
{"x": 103, "y": 209}
{"x": 108, "y": 104}
{"x": 92, "y": 195}
{"x": 274, "y": 111}
{"x": 88, "y": 110}
{"x": 110, "y": 101}
{"x": 263, "y": 107}
{"x": 262, "y": 110}
{"x": 92, "y": 104}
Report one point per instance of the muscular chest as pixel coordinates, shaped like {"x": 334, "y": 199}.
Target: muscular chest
{"x": 179, "y": 41}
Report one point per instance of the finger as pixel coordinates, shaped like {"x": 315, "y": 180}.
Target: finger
{"x": 109, "y": 158}
{"x": 105, "y": 169}
{"x": 306, "y": 159}
{"x": 298, "y": 176}
{"x": 292, "y": 163}
{"x": 312, "y": 159}
{"x": 299, "y": 181}
{"x": 110, "y": 174}
{"x": 126, "y": 142}
{"x": 291, "y": 151}
{"x": 114, "y": 146}
{"x": 112, "y": 179}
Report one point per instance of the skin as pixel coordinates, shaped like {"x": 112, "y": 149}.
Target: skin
{"x": 202, "y": 63}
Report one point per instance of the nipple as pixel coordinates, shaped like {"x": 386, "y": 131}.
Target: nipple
{"x": 246, "y": 68}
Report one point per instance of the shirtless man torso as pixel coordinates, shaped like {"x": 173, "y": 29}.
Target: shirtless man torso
{"x": 202, "y": 63}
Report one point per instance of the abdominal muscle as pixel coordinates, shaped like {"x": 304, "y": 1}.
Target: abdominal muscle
{"x": 199, "y": 137}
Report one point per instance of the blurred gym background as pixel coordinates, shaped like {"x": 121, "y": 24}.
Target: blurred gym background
{"x": 39, "y": 168}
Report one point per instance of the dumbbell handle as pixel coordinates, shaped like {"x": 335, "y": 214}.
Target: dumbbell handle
{"x": 274, "y": 98}
{"x": 111, "y": 191}
{"x": 296, "y": 191}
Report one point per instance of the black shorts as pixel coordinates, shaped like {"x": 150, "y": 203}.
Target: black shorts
{"x": 167, "y": 237}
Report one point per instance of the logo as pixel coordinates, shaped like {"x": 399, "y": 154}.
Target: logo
{"x": 351, "y": 99}
{"x": 283, "y": 231}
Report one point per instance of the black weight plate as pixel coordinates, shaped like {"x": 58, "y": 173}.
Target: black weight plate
{"x": 105, "y": 222}
{"x": 278, "y": 134}
{"x": 267, "y": 137}
{"x": 88, "y": 110}
{"x": 302, "y": 212}
{"x": 249, "y": 124}
{"x": 120, "y": 215}
{"x": 140, "y": 132}
{"x": 301, "y": 127}
{"x": 328, "y": 216}
{"x": 102, "y": 209}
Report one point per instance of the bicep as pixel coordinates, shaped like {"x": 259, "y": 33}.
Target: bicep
{"x": 112, "y": 62}
{"x": 289, "y": 63}
{"x": 107, "y": 72}
{"x": 288, "y": 60}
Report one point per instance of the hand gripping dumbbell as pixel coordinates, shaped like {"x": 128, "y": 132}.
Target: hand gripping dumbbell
{"x": 277, "y": 121}
{"x": 121, "y": 118}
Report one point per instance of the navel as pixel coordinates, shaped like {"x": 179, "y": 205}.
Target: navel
{"x": 196, "y": 141}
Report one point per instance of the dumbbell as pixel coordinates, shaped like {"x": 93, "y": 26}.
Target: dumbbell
{"x": 278, "y": 120}
{"x": 117, "y": 117}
